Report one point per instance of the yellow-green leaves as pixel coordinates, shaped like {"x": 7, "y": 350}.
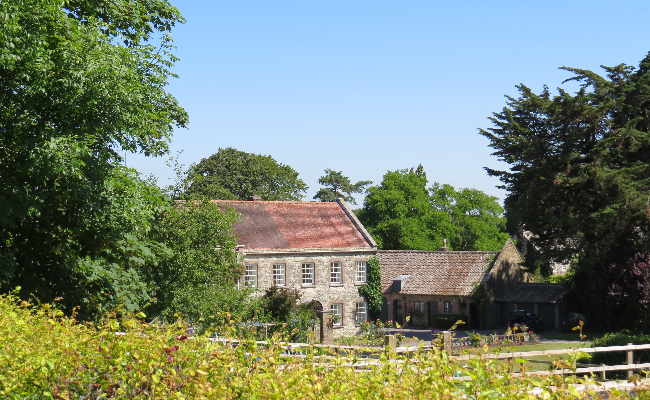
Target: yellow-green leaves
{"x": 83, "y": 361}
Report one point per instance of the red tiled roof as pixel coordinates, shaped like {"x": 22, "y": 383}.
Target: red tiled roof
{"x": 444, "y": 273}
{"x": 292, "y": 225}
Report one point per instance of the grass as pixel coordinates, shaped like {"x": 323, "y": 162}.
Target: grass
{"x": 570, "y": 335}
{"x": 540, "y": 363}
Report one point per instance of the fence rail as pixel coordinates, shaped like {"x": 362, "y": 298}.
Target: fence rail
{"x": 448, "y": 343}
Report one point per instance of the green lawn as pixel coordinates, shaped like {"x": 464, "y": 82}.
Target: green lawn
{"x": 541, "y": 347}
{"x": 542, "y": 363}
{"x": 551, "y": 346}
{"x": 570, "y": 335}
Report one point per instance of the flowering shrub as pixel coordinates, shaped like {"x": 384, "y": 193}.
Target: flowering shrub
{"x": 373, "y": 331}
{"x": 44, "y": 355}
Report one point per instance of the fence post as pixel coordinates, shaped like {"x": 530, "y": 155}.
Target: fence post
{"x": 446, "y": 336}
{"x": 630, "y": 361}
{"x": 391, "y": 343}
{"x": 326, "y": 327}
{"x": 602, "y": 374}
{"x": 574, "y": 364}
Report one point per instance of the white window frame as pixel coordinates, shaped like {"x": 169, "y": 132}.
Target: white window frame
{"x": 418, "y": 307}
{"x": 279, "y": 274}
{"x": 361, "y": 312}
{"x": 308, "y": 273}
{"x": 337, "y": 309}
{"x": 361, "y": 271}
{"x": 250, "y": 275}
{"x": 336, "y": 273}
{"x": 448, "y": 307}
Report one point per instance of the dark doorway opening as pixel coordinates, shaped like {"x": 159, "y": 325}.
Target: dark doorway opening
{"x": 474, "y": 317}
{"x": 398, "y": 312}
{"x": 433, "y": 310}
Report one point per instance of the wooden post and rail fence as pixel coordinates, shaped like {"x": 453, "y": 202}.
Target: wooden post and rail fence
{"x": 447, "y": 344}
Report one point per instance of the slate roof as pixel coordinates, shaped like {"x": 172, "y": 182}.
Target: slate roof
{"x": 297, "y": 225}
{"x": 532, "y": 293}
{"x": 444, "y": 273}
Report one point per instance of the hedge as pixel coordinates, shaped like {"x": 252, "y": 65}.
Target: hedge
{"x": 447, "y": 321}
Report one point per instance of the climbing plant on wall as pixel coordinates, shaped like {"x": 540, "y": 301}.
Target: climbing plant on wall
{"x": 371, "y": 291}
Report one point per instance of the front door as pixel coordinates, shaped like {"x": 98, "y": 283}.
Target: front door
{"x": 398, "y": 312}
{"x": 474, "y": 317}
{"x": 433, "y": 310}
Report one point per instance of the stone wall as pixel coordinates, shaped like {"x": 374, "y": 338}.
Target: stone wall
{"x": 322, "y": 290}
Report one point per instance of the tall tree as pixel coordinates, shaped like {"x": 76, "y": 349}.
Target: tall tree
{"x": 579, "y": 172}
{"x": 477, "y": 217}
{"x": 230, "y": 174}
{"x": 79, "y": 80}
{"x": 397, "y": 212}
{"x": 338, "y": 186}
{"x": 403, "y": 214}
{"x": 200, "y": 275}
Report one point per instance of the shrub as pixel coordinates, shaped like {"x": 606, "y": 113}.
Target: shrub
{"x": 278, "y": 302}
{"x": 447, "y": 321}
{"x": 474, "y": 338}
{"x": 373, "y": 332}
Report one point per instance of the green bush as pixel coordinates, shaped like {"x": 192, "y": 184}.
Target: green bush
{"x": 373, "y": 332}
{"x": 621, "y": 339}
{"x": 447, "y": 321}
{"x": 614, "y": 358}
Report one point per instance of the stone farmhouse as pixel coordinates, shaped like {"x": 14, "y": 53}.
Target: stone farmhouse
{"x": 422, "y": 284}
{"x": 317, "y": 248}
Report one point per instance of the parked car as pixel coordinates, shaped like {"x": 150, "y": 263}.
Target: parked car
{"x": 525, "y": 321}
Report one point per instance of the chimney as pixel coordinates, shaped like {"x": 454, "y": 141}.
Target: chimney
{"x": 444, "y": 245}
{"x": 254, "y": 198}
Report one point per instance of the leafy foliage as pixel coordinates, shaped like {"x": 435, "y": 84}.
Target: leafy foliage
{"x": 629, "y": 292}
{"x": 278, "y": 302}
{"x": 76, "y": 85}
{"x": 199, "y": 278}
{"x": 579, "y": 172}
{"x": 337, "y": 185}
{"x": 371, "y": 291}
{"x": 45, "y": 355}
{"x": 281, "y": 305}
{"x": 230, "y": 174}
{"x": 403, "y": 214}
{"x": 479, "y": 298}
{"x": 397, "y": 213}
{"x": 477, "y": 218}
{"x": 374, "y": 331}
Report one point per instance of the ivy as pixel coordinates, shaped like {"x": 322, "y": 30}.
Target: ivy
{"x": 479, "y": 298}
{"x": 371, "y": 291}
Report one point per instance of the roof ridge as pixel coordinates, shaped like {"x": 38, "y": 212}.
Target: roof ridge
{"x": 357, "y": 224}
{"x": 441, "y": 252}
{"x": 311, "y": 203}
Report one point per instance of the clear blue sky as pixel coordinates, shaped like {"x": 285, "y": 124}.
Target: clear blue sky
{"x": 371, "y": 86}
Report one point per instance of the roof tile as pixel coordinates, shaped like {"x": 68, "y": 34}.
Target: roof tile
{"x": 444, "y": 273}
{"x": 268, "y": 225}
